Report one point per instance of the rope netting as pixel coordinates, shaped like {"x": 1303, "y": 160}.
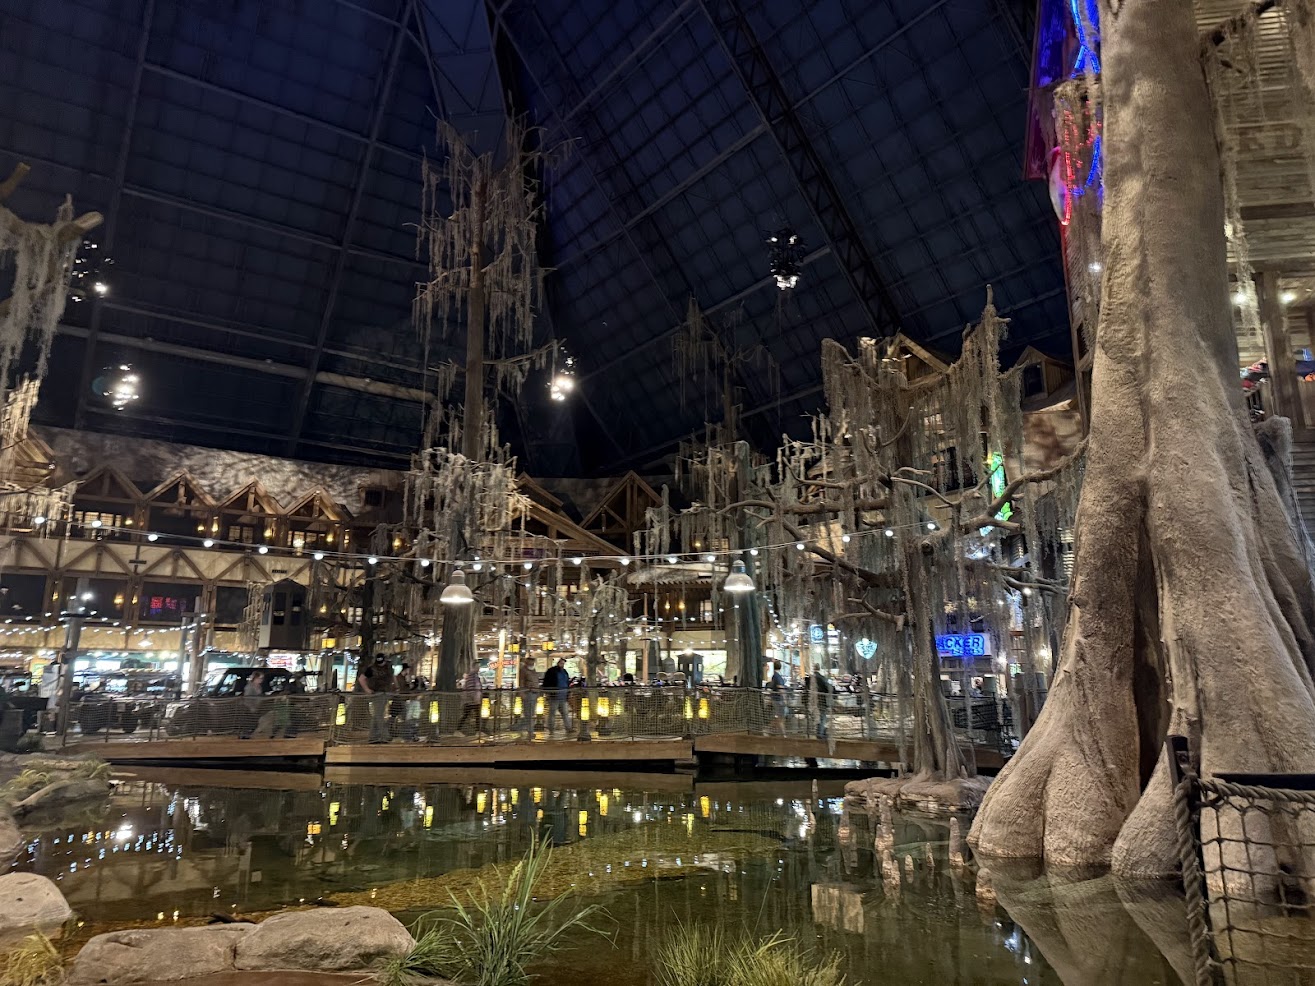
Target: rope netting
{"x": 1248, "y": 852}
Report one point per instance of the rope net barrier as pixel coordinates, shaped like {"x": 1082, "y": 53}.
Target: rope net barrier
{"x": 1247, "y": 846}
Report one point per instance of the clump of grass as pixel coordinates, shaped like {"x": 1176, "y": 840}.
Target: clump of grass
{"x": 35, "y": 961}
{"x": 25, "y": 784}
{"x": 40, "y": 772}
{"x": 494, "y": 937}
{"x": 700, "y": 956}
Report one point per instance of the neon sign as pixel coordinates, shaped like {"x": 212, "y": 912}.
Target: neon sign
{"x": 963, "y": 645}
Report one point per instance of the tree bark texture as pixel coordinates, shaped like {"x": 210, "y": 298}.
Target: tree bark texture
{"x": 1192, "y": 600}
{"x": 456, "y": 654}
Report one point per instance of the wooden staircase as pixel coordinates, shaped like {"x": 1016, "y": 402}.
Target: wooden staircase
{"x": 1303, "y": 481}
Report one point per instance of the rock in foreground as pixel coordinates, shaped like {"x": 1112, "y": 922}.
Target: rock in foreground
{"x": 29, "y": 902}
{"x": 157, "y": 955}
{"x": 325, "y": 940}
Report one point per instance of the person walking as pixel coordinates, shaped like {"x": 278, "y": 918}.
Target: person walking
{"x": 777, "y": 686}
{"x": 823, "y": 691}
{"x": 472, "y": 693}
{"x": 556, "y": 684}
{"x": 377, "y": 680}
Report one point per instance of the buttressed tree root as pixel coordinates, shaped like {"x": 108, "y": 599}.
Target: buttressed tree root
{"x": 1192, "y": 604}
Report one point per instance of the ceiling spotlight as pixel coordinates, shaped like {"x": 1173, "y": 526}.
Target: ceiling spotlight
{"x": 318, "y": 556}
{"x": 738, "y": 580}
{"x": 457, "y": 593}
{"x": 101, "y": 288}
{"x": 118, "y": 385}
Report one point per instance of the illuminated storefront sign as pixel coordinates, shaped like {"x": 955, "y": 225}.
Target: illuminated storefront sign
{"x": 962, "y": 645}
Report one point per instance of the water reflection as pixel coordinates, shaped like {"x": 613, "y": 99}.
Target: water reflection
{"x": 760, "y": 857}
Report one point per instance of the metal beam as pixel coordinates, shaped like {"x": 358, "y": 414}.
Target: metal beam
{"x": 767, "y": 94}
{"x": 753, "y": 134}
{"x": 277, "y": 229}
{"x": 349, "y": 228}
{"x": 248, "y": 331}
{"x": 363, "y": 385}
{"x": 169, "y": 73}
{"x": 725, "y": 303}
{"x": 113, "y": 209}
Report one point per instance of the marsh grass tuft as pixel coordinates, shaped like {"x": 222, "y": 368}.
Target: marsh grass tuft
{"x": 701, "y": 956}
{"x": 35, "y": 961}
{"x": 494, "y": 937}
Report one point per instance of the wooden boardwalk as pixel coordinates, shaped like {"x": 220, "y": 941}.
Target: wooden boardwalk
{"x": 601, "y": 753}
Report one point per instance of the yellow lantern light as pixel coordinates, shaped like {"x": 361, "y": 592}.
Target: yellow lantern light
{"x": 341, "y": 718}
{"x": 689, "y": 709}
{"x": 537, "y": 792}
{"x": 584, "y": 709}
{"x": 704, "y": 710}
{"x": 584, "y": 823}
{"x": 433, "y": 712}
{"x": 334, "y": 809}
{"x": 312, "y": 828}
{"x": 705, "y": 806}
{"x": 429, "y": 816}
{"x": 620, "y": 706}
{"x": 602, "y": 805}
{"x": 481, "y": 801}
{"x": 550, "y": 644}
{"x": 515, "y": 795}
{"x": 485, "y": 709}
{"x": 604, "y": 707}
{"x": 538, "y": 706}
{"x": 517, "y": 707}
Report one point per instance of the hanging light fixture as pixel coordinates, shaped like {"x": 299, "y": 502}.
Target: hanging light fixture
{"x": 118, "y": 385}
{"x": 457, "y": 593}
{"x": 563, "y": 377}
{"x": 786, "y": 251}
{"x": 738, "y": 580}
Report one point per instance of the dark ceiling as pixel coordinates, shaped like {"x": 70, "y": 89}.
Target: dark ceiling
{"x": 258, "y": 162}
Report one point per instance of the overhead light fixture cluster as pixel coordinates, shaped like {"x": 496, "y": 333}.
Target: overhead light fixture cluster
{"x": 786, "y": 257}
{"x": 563, "y": 378}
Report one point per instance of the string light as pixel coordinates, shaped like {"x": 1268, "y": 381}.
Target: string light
{"x": 263, "y": 549}
{"x": 208, "y": 543}
{"x": 318, "y": 556}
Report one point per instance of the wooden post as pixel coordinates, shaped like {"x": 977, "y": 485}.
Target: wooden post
{"x": 473, "y": 424}
{"x": 1278, "y": 347}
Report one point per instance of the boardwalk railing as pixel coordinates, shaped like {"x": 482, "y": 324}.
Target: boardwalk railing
{"x": 1247, "y": 847}
{"x": 520, "y": 715}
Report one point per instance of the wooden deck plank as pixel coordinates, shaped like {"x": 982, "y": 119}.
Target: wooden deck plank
{"x": 562, "y": 752}
{"x": 507, "y": 777}
{"x": 868, "y": 751}
{"x": 208, "y": 748}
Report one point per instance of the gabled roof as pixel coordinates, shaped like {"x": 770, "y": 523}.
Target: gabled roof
{"x": 182, "y": 482}
{"x": 621, "y": 511}
{"x": 252, "y": 494}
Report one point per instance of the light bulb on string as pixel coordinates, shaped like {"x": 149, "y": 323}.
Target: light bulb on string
{"x": 889, "y": 533}
{"x": 799, "y": 546}
{"x": 208, "y": 543}
{"x": 318, "y": 556}
{"x": 263, "y": 549}
{"x": 845, "y": 538}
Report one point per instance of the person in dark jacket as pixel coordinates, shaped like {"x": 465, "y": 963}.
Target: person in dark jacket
{"x": 556, "y": 683}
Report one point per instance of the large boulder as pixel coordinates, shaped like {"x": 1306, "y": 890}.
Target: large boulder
{"x": 324, "y": 940}
{"x": 30, "y": 903}
{"x": 157, "y": 954}
{"x": 11, "y": 839}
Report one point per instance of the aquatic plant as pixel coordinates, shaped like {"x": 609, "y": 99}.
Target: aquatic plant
{"x": 35, "y": 961}
{"x": 498, "y": 935}
{"x": 40, "y": 772}
{"x": 592, "y": 866}
{"x": 701, "y": 956}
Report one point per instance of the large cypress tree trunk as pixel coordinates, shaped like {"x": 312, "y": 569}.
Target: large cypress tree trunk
{"x": 1192, "y": 599}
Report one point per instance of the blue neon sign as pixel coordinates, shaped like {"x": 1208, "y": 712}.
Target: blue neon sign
{"x": 963, "y": 645}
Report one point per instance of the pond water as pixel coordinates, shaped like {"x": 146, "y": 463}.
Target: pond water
{"x": 654, "y": 850}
